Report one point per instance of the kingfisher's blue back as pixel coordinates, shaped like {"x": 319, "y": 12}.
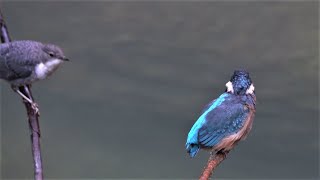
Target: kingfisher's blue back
{"x": 227, "y": 119}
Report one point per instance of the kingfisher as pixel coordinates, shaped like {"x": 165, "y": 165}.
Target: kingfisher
{"x": 226, "y": 120}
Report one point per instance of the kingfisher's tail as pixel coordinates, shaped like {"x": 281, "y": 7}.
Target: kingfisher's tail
{"x": 192, "y": 149}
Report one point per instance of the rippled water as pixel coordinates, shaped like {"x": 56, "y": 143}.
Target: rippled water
{"x": 140, "y": 74}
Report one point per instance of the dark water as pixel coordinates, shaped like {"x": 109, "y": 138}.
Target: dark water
{"x": 140, "y": 74}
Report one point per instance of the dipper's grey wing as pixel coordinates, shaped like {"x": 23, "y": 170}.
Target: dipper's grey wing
{"x": 14, "y": 64}
{"x": 18, "y": 70}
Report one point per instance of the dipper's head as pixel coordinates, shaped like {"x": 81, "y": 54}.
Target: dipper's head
{"x": 25, "y": 61}
{"x": 240, "y": 83}
{"x": 52, "y": 56}
{"x": 53, "y": 52}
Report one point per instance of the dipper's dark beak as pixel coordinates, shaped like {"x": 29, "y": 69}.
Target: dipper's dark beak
{"x": 65, "y": 59}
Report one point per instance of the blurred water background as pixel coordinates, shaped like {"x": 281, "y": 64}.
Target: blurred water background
{"x": 139, "y": 75}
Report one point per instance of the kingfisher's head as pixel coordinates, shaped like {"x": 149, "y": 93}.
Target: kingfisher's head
{"x": 240, "y": 83}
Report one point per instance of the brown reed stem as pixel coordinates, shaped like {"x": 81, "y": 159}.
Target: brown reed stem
{"x": 33, "y": 115}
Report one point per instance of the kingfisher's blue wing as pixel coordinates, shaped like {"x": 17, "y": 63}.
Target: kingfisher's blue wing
{"x": 226, "y": 119}
{"x": 192, "y": 144}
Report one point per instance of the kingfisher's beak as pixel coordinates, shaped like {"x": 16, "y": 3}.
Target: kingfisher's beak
{"x": 65, "y": 59}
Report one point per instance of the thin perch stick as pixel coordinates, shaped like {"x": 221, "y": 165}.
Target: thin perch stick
{"x": 214, "y": 160}
{"x": 33, "y": 115}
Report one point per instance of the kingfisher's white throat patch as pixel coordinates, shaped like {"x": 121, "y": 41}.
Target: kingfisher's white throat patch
{"x": 229, "y": 87}
{"x": 42, "y": 70}
{"x": 250, "y": 90}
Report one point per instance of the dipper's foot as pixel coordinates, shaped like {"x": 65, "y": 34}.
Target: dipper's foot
{"x": 34, "y": 105}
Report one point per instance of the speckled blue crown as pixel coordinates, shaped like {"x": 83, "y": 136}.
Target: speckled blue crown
{"x": 240, "y": 81}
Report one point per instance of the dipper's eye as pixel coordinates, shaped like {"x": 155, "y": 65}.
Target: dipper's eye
{"x": 51, "y": 54}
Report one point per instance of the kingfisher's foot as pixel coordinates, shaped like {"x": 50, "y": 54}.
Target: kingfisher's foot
{"x": 223, "y": 153}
